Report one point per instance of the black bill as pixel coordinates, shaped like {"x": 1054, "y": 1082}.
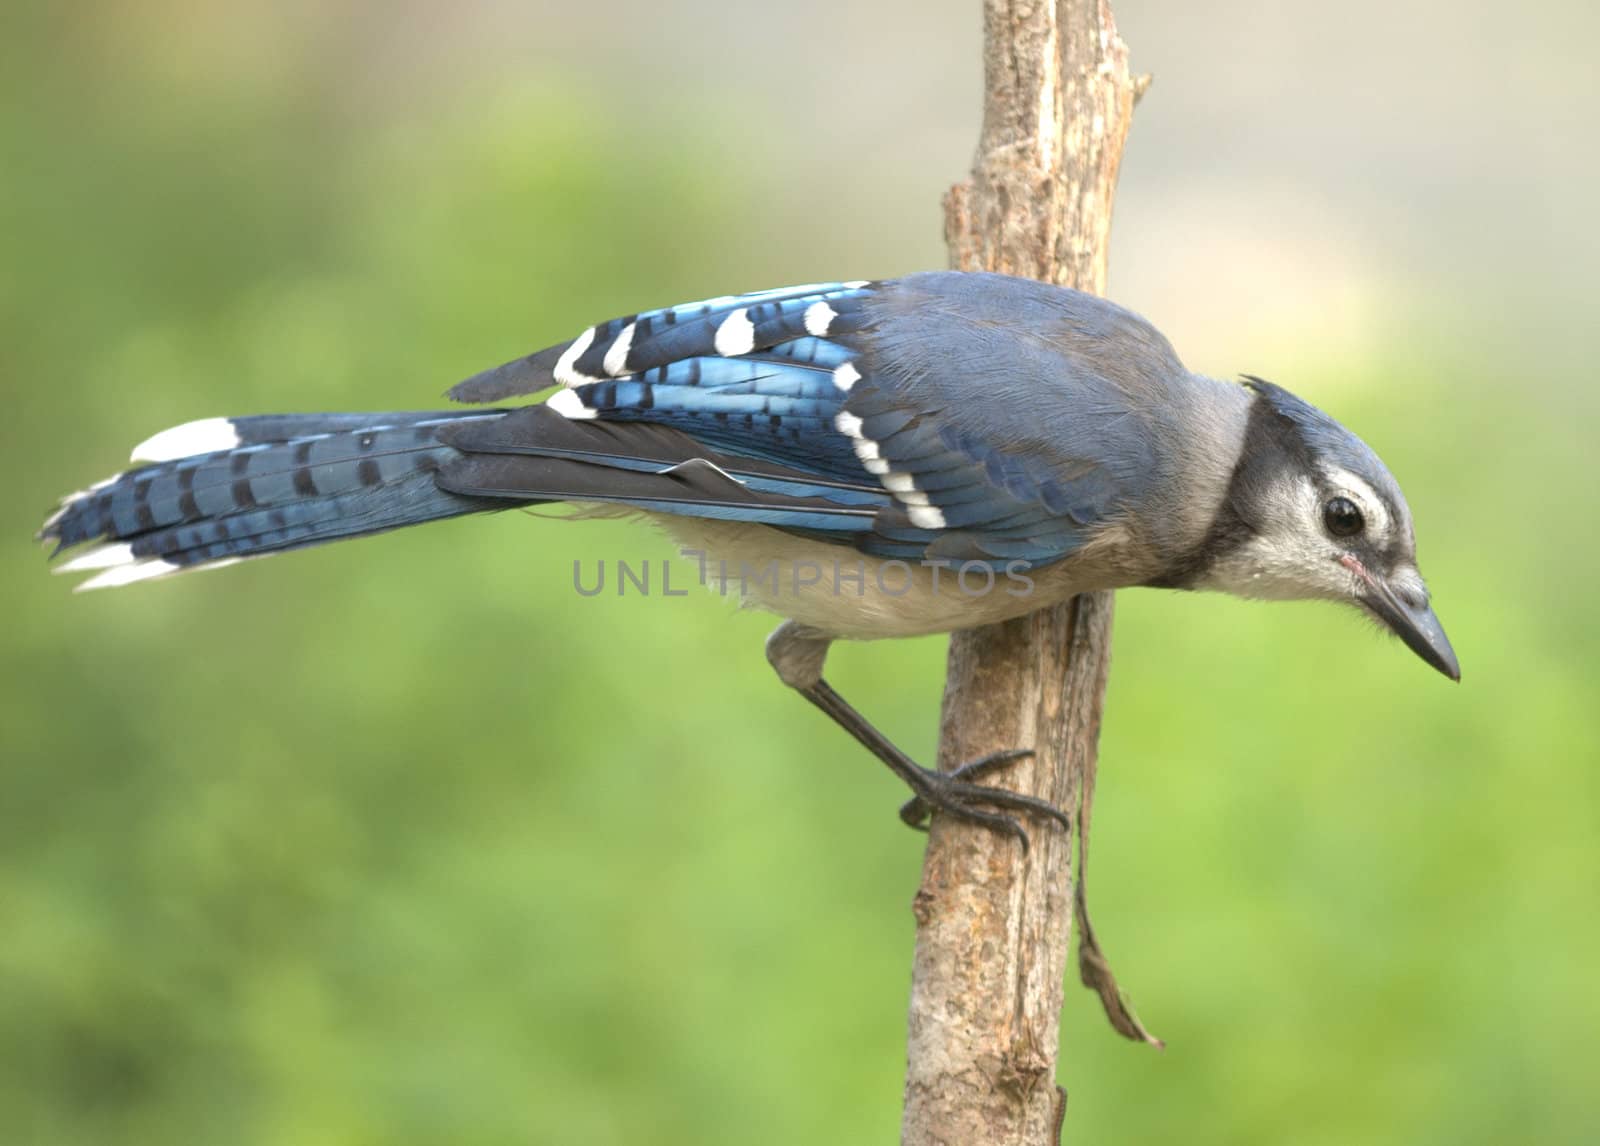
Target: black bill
{"x": 1417, "y": 626}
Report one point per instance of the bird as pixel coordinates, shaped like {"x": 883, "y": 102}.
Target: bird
{"x": 865, "y": 459}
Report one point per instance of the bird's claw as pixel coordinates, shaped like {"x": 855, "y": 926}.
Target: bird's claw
{"x": 955, "y": 794}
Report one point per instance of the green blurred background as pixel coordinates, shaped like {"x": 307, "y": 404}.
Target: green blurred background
{"x": 404, "y": 842}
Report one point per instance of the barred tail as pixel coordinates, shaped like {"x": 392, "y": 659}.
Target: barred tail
{"x": 224, "y": 489}
{"x": 220, "y": 490}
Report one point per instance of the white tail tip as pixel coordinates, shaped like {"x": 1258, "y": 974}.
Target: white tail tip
{"x": 100, "y": 557}
{"x": 127, "y": 574}
{"x": 206, "y": 436}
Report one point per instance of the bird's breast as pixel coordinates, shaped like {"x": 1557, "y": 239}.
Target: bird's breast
{"x": 840, "y": 591}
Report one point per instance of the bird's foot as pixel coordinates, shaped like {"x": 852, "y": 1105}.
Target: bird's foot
{"x": 955, "y": 794}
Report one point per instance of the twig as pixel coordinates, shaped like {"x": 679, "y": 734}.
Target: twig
{"x": 993, "y": 925}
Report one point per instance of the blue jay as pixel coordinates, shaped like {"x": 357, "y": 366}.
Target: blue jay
{"x": 865, "y": 459}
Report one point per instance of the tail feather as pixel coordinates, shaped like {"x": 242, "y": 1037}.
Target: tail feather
{"x": 225, "y": 489}
{"x": 286, "y": 482}
{"x": 213, "y": 435}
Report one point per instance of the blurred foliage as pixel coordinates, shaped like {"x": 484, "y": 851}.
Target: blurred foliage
{"x": 403, "y": 841}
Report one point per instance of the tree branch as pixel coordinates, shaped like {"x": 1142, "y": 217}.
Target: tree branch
{"x": 993, "y": 925}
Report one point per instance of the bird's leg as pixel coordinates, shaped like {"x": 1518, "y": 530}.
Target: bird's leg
{"x": 797, "y": 653}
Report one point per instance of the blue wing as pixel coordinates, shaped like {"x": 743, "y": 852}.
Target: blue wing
{"x": 956, "y": 416}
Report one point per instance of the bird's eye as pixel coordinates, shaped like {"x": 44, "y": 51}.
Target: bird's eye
{"x": 1342, "y": 517}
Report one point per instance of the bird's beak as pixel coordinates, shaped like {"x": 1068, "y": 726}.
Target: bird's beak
{"x": 1417, "y": 627}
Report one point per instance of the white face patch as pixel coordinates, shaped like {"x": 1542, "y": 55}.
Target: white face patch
{"x": 1290, "y": 557}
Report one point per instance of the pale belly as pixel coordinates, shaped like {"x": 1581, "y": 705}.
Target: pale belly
{"x": 840, "y": 591}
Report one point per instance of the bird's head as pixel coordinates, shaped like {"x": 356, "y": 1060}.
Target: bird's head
{"x": 1313, "y": 513}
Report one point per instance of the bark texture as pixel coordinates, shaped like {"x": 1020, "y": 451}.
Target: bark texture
{"x": 994, "y": 925}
